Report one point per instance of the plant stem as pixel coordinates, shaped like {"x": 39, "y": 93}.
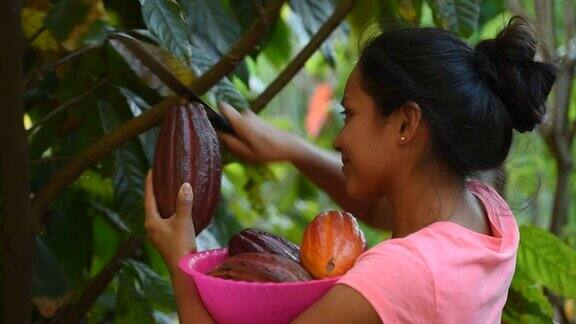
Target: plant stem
{"x": 344, "y": 7}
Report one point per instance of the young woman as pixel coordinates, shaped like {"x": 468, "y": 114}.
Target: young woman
{"x": 424, "y": 112}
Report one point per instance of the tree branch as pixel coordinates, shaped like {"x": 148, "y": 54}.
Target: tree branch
{"x": 97, "y": 285}
{"x": 17, "y": 236}
{"x": 150, "y": 118}
{"x": 35, "y": 35}
{"x": 545, "y": 22}
{"x": 344, "y": 7}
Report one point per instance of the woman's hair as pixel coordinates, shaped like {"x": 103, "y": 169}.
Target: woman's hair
{"x": 471, "y": 98}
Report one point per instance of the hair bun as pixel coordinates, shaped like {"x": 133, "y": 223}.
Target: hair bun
{"x": 506, "y": 63}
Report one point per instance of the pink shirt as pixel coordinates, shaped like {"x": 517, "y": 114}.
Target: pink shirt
{"x": 443, "y": 273}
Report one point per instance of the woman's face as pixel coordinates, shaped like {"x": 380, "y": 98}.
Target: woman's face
{"x": 367, "y": 142}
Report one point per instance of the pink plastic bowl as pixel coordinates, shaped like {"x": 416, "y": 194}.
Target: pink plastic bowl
{"x": 238, "y": 302}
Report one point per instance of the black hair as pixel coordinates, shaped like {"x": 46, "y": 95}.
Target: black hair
{"x": 472, "y": 99}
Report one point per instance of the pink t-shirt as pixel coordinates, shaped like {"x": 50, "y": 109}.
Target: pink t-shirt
{"x": 443, "y": 273}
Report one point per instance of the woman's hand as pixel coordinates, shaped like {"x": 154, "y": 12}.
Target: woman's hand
{"x": 257, "y": 140}
{"x": 174, "y": 237}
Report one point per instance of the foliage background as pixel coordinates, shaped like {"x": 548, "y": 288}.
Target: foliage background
{"x": 80, "y": 86}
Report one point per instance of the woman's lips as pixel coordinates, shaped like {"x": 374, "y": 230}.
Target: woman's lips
{"x": 345, "y": 165}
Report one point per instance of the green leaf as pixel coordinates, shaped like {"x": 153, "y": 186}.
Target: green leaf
{"x": 148, "y": 139}
{"x": 313, "y": 14}
{"x": 210, "y": 20}
{"x": 246, "y": 11}
{"x": 48, "y": 278}
{"x": 164, "y": 19}
{"x": 66, "y": 15}
{"x": 132, "y": 305}
{"x": 519, "y": 309}
{"x": 458, "y": 16}
{"x": 526, "y": 298}
{"x": 130, "y": 167}
{"x": 278, "y": 48}
{"x": 111, "y": 216}
{"x": 156, "y": 289}
{"x": 204, "y": 56}
{"x": 547, "y": 260}
{"x": 71, "y": 221}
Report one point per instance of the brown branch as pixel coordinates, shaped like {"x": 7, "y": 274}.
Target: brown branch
{"x": 344, "y": 7}
{"x": 148, "y": 119}
{"x": 35, "y": 35}
{"x": 74, "y": 100}
{"x": 99, "y": 283}
{"x": 17, "y": 235}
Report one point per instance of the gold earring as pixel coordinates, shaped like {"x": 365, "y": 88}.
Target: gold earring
{"x": 402, "y": 138}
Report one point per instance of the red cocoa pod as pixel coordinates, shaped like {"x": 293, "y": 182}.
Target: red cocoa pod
{"x": 260, "y": 267}
{"x": 255, "y": 240}
{"x": 331, "y": 244}
{"x": 187, "y": 150}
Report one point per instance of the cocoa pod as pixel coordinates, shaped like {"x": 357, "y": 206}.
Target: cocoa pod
{"x": 187, "y": 150}
{"x": 254, "y": 240}
{"x": 260, "y": 267}
{"x": 331, "y": 244}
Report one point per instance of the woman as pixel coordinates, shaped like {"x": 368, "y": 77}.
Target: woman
{"x": 424, "y": 112}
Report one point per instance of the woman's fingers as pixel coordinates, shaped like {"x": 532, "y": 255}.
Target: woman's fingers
{"x": 150, "y": 208}
{"x": 236, "y": 145}
{"x": 184, "y": 201}
{"x": 236, "y": 119}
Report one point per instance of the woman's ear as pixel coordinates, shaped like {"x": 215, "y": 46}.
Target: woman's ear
{"x": 410, "y": 116}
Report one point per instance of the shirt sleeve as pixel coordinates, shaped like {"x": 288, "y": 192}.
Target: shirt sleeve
{"x": 397, "y": 282}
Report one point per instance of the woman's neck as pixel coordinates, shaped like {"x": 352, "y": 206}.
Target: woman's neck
{"x": 422, "y": 199}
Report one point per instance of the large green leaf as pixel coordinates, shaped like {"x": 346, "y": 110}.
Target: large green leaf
{"x": 458, "y": 16}
{"x": 48, "y": 278}
{"x": 132, "y": 304}
{"x": 313, "y": 14}
{"x": 71, "y": 221}
{"x": 246, "y": 11}
{"x": 156, "y": 289}
{"x": 164, "y": 19}
{"x": 209, "y": 19}
{"x": 547, "y": 260}
{"x": 148, "y": 139}
{"x": 130, "y": 167}
{"x": 204, "y": 56}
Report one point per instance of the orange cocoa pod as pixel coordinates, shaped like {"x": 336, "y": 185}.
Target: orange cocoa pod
{"x": 331, "y": 244}
{"x": 187, "y": 150}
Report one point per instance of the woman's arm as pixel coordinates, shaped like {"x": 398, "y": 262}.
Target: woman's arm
{"x": 174, "y": 238}
{"x": 342, "y": 304}
{"x": 259, "y": 142}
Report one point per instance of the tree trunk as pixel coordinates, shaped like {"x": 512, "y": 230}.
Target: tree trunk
{"x": 17, "y": 229}
{"x": 561, "y": 197}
